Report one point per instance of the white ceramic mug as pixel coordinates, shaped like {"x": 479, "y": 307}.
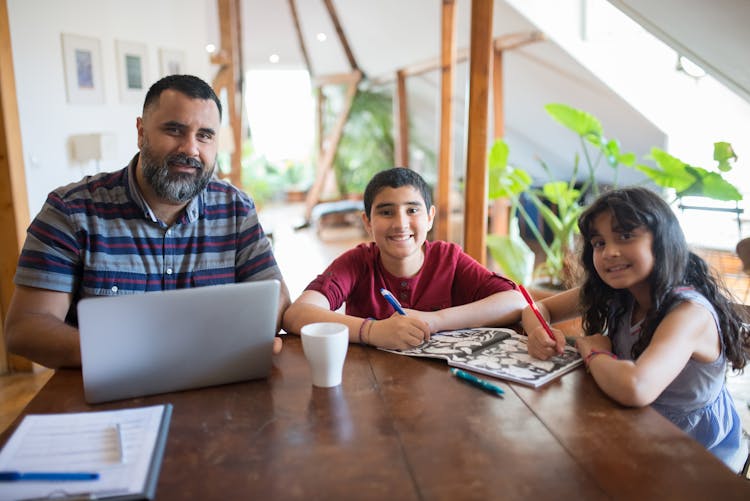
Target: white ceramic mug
{"x": 325, "y": 345}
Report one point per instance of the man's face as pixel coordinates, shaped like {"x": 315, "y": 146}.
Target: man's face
{"x": 177, "y": 136}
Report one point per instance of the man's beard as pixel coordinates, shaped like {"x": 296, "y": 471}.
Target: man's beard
{"x": 175, "y": 187}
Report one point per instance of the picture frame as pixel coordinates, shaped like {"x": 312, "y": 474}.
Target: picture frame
{"x": 171, "y": 62}
{"x": 82, "y": 61}
{"x": 132, "y": 70}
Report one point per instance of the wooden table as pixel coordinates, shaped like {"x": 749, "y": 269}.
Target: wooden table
{"x": 403, "y": 428}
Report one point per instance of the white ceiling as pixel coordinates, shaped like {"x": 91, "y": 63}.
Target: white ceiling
{"x": 714, "y": 34}
{"x": 387, "y": 35}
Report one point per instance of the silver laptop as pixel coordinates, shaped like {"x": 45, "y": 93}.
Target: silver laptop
{"x": 158, "y": 342}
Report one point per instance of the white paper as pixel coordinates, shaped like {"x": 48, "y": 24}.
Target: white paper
{"x": 82, "y": 442}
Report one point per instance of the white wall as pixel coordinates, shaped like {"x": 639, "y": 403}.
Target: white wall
{"x": 48, "y": 120}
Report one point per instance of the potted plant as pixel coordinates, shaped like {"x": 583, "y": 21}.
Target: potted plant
{"x": 560, "y": 203}
{"x": 366, "y": 145}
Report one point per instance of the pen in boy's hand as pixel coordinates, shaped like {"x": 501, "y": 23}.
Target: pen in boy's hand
{"x": 392, "y": 299}
{"x": 536, "y": 312}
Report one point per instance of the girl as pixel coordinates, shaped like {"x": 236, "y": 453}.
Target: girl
{"x": 659, "y": 328}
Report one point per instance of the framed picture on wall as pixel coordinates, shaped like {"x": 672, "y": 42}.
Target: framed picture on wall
{"x": 132, "y": 71}
{"x": 82, "y": 60}
{"x": 171, "y": 62}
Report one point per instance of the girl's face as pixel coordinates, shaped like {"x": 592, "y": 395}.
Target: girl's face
{"x": 623, "y": 259}
{"x": 399, "y": 222}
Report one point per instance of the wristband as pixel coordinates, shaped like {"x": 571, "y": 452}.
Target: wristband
{"x": 362, "y": 328}
{"x": 594, "y": 353}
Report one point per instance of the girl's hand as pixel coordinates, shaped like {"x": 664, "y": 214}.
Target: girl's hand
{"x": 585, "y": 344}
{"x": 541, "y": 346}
{"x": 398, "y": 332}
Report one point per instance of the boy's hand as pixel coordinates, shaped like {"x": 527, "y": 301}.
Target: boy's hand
{"x": 399, "y": 332}
{"x": 431, "y": 318}
{"x": 541, "y": 346}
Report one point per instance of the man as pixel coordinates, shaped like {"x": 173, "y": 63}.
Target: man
{"x": 163, "y": 222}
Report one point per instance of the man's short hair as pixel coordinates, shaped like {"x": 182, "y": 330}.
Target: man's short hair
{"x": 396, "y": 178}
{"x": 189, "y": 85}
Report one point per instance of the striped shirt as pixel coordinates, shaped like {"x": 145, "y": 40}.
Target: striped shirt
{"x": 98, "y": 237}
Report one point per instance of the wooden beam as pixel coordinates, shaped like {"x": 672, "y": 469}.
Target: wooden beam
{"x": 445, "y": 158}
{"x": 325, "y": 161}
{"x": 505, "y": 42}
{"x": 300, "y": 39}
{"x": 500, "y": 210}
{"x": 340, "y": 32}
{"x": 321, "y": 103}
{"x": 14, "y": 205}
{"x": 229, "y": 77}
{"x": 475, "y": 214}
{"x": 402, "y": 122}
{"x": 336, "y": 79}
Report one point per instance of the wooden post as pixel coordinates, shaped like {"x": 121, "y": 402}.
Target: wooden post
{"x": 445, "y": 159}
{"x": 14, "y": 205}
{"x": 331, "y": 144}
{"x": 402, "y": 122}
{"x": 230, "y": 77}
{"x": 475, "y": 227}
{"x": 501, "y": 207}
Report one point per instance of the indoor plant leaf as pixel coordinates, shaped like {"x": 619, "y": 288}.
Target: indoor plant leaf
{"x": 578, "y": 121}
{"x": 723, "y": 152}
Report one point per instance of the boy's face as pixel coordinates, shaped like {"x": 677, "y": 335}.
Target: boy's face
{"x": 399, "y": 222}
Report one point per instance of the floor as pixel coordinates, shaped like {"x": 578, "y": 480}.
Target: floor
{"x": 302, "y": 254}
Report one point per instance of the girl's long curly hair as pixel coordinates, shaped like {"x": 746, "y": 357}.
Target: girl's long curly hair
{"x": 675, "y": 266}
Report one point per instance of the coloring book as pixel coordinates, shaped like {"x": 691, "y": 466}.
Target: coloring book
{"x": 495, "y": 352}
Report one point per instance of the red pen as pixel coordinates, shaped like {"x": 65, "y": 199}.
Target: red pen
{"x": 537, "y": 313}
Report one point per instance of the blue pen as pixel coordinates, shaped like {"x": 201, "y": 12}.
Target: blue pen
{"x": 478, "y": 382}
{"x": 392, "y": 299}
{"x": 16, "y": 476}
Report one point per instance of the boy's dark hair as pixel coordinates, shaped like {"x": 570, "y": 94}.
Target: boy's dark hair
{"x": 675, "y": 266}
{"x": 189, "y": 85}
{"x": 396, "y": 178}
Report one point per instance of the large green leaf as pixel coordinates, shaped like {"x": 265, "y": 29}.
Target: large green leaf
{"x": 578, "y": 121}
{"x": 711, "y": 185}
{"x": 513, "y": 256}
{"x": 504, "y": 180}
{"x": 671, "y": 172}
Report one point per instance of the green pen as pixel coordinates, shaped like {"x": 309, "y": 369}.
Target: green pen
{"x": 481, "y": 383}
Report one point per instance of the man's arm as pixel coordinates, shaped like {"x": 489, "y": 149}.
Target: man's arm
{"x": 36, "y": 328}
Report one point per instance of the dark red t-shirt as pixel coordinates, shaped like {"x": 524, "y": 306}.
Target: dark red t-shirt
{"x": 449, "y": 277}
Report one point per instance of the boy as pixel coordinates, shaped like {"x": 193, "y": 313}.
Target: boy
{"x": 439, "y": 286}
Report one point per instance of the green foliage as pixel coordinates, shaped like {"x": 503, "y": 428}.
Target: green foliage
{"x": 567, "y": 200}
{"x": 261, "y": 179}
{"x": 689, "y": 180}
{"x": 366, "y": 145}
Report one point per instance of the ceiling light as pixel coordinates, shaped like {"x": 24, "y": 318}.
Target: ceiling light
{"x": 274, "y": 58}
{"x": 321, "y": 37}
{"x": 688, "y": 67}
{"x": 210, "y": 48}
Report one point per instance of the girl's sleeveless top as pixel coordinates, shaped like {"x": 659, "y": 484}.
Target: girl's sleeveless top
{"x": 697, "y": 400}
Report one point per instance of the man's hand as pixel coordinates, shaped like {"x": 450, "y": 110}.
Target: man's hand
{"x": 277, "y": 345}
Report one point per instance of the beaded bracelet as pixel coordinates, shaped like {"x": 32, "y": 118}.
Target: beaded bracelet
{"x": 369, "y": 330}
{"x": 594, "y": 353}
{"x": 362, "y": 327}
